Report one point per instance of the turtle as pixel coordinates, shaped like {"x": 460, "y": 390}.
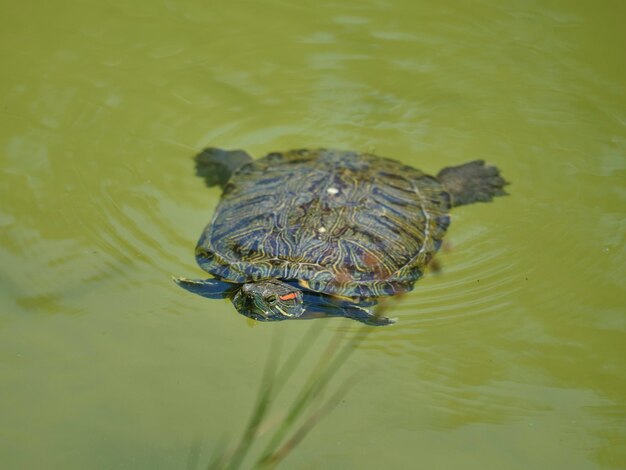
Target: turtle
{"x": 311, "y": 233}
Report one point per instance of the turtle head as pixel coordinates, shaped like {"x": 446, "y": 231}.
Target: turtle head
{"x": 269, "y": 300}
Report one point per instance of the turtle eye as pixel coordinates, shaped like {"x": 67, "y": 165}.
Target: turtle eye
{"x": 271, "y": 299}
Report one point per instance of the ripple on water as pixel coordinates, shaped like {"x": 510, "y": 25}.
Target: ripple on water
{"x": 476, "y": 289}
{"x": 472, "y": 283}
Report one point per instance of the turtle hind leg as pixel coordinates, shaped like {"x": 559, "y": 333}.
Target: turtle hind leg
{"x": 472, "y": 182}
{"x": 217, "y": 165}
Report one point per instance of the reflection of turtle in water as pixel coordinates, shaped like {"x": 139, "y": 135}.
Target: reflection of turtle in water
{"x": 309, "y": 233}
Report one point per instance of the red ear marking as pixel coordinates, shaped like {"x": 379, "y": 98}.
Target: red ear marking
{"x": 290, "y": 296}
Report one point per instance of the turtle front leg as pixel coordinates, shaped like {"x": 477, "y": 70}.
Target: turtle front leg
{"x": 320, "y": 306}
{"x": 210, "y": 288}
{"x": 217, "y": 165}
{"x": 367, "y": 316}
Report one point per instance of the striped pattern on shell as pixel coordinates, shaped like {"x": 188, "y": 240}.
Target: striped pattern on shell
{"x": 341, "y": 223}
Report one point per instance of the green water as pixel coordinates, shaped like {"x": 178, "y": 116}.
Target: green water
{"x": 511, "y": 358}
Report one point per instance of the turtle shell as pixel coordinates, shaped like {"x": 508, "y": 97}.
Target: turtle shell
{"x": 340, "y": 223}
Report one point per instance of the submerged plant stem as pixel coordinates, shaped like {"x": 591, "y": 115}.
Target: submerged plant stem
{"x": 328, "y": 365}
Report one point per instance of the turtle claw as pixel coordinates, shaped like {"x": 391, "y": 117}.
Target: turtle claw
{"x": 375, "y": 320}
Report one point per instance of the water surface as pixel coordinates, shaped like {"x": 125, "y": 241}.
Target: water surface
{"x": 512, "y": 357}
